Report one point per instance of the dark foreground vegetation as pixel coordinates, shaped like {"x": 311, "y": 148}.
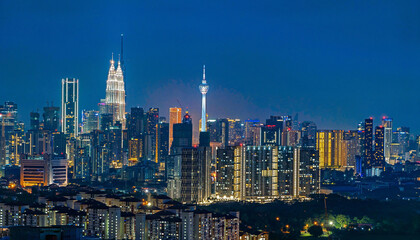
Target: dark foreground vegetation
{"x": 344, "y": 218}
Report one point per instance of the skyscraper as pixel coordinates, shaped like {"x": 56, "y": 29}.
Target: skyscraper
{"x": 90, "y": 121}
{"x": 387, "y": 124}
{"x": 332, "y": 148}
{"x": 152, "y": 134}
{"x": 51, "y": 118}
{"x": 219, "y": 131}
{"x": 182, "y": 138}
{"x": 368, "y": 143}
{"x": 204, "y": 88}
{"x": 175, "y": 116}
{"x": 70, "y": 106}
{"x": 115, "y": 93}
{"x": 34, "y": 122}
{"x": 379, "y": 159}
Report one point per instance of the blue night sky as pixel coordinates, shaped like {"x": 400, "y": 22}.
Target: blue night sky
{"x": 333, "y": 62}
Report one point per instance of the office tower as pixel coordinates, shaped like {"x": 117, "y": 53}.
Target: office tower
{"x": 402, "y": 137}
{"x": 379, "y": 158}
{"x": 163, "y": 141}
{"x": 115, "y": 140}
{"x": 100, "y": 158}
{"x": 296, "y": 122}
{"x": 70, "y": 106}
{"x": 271, "y": 132}
{"x": 183, "y": 132}
{"x": 115, "y": 93}
{"x": 182, "y": 138}
{"x": 106, "y": 122}
{"x": 136, "y": 127}
{"x": 219, "y": 131}
{"x": 8, "y": 121}
{"x": 152, "y": 134}
{"x": 204, "y": 88}
{"x": 175, "y": 116}
{"x": 51, "y": 118}
{"x": 288, "y": 122}
{"x": 136, "y": 134}
{"x": 16, "y": 144}
{"x": 34, "y": 121}
{"x": 59, "y": 144}
{"x": 83, "y": 156}
{"x": 368, "y": 143}
{"x": 387, "y": 124}
{"x": 308, "y": 130}
{"x": 225, "y": 172}
{"x": 331, "y": 147}
{"x": 90, "y": 121}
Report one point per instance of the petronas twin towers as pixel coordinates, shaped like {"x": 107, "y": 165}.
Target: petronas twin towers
{"x": 115, "y": 93}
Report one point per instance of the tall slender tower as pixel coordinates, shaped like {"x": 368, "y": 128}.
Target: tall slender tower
{"x": 115, "y": 93}
{"x": 204, "y": 88}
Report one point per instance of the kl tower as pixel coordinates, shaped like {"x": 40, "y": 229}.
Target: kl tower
{"x": 204, "y": 88}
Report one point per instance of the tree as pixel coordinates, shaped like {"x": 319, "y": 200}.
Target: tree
{"x": 342, "y": 220}
{"x": 315, "y": 231}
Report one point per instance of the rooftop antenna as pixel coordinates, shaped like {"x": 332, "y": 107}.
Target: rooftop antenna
{"x": 122, "y": 52}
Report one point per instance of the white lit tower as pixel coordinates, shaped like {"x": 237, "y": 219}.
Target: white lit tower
{"x": 115, "y": 93}
{"x": 204, "y": 88}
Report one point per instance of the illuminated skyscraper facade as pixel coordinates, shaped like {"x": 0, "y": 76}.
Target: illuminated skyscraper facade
{"x": 115, "y": 93}
{"x": 70, "y": 106}
{"x": 387, "y": 124}
{"x": 204, "y": 88}
{"x": 368, "y": 143}
{"x": 379, "y": 158}
{"x": 332, "y": 148}
{"x": 175, "y": 116}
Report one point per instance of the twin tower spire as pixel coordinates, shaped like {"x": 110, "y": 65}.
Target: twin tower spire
{"x": 115, "y": 92}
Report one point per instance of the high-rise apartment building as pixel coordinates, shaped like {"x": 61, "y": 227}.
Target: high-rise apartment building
{"x": 70, "y": 106}
{"x": 332, "y": 148}
{"x": 225, "y": 162}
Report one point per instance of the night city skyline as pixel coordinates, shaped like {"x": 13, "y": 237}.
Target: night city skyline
{"x": 209, "y": 120}
{"x": 331, "y": 67}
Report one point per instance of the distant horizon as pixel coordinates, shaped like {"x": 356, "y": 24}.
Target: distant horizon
{"x": 333, "y": 64}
